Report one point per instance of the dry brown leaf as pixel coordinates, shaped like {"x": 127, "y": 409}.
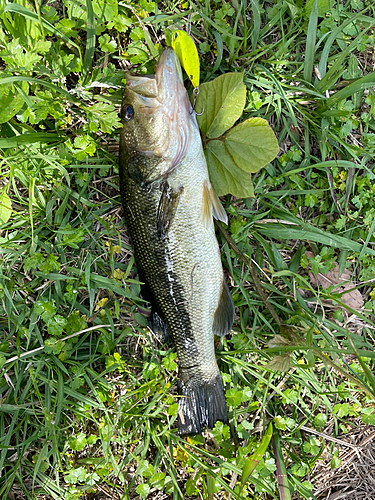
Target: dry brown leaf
{"x": 351, "y": 297}
{"x": 278, "y": 341}
{"x": 279, "y": 363}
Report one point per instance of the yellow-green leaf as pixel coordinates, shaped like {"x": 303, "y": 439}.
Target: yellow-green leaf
{"x": 245, "y": 149}
{"x": 222, "y": 102}
{"x": 187, "y": 54}
{"x": 256, "y": 457}
{"x": 225, "y": 176}
{"x": 5, "y": 207}
{"x": 252, "y": 144}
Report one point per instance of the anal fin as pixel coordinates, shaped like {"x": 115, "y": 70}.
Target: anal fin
{"x": 155, "y": 320}
{"x": 224, "y": 315}
{"x": 159, "y": 326}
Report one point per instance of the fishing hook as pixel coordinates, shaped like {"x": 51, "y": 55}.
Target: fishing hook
{"x": 188, "y": 25}
{"x": 196, "y": 92}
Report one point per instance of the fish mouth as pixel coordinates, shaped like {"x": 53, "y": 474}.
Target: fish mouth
{"x": 164, "y": 86}
{"x": 176, "y": 106}
{"x": 144, "y": 85}
{"x": 165, "y": 95}
{"x": 168, "y": 70}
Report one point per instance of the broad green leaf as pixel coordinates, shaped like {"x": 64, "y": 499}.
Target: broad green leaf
{"x": 105, "y": 10}
{"x": 187, "y": 54}
{"x": 76, "y": 475}
{"x": 56, "y": 325}
{"x": 75, "y": 10}
{"x": 73, "y": 236}
{"x": 323, "y": 5}
{"x": 321, "y": 419}
{"x": 10, "y": 102}
{"x": 17, "y": 59}
{"x": 252, "y": 144}
{"x": 222, "y": 102}
{"x": 368, "y": 415}
{"x": 78, "y": 443}
{"x": 258, "y": 454}
{"x": 225, "y": 176}
{"x": 234, "y": 397}
{"x": 33, "y": 262}
{"x": 5, "y": 207}
{"x": 50, "y": 264}
{"x": 169, "y": 363}
{"x": 143, "y": 489}
{"x": 45, "y": 308}
{"x": 190, "y": 487}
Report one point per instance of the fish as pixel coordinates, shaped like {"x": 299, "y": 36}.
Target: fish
{"x": 169, "y": 205}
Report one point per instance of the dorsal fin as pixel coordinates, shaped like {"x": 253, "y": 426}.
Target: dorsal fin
{"x": 212, "y": 206}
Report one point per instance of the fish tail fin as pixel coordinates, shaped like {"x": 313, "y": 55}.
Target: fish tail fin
{"x": 202, "y": 404}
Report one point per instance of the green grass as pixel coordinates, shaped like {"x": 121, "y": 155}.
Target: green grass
{"x": 88, "y": 396}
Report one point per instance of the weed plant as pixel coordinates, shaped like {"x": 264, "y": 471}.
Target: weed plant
{"x": 88, "y": 396}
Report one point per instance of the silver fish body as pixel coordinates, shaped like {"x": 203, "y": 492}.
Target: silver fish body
{"x": 169, "y": 206}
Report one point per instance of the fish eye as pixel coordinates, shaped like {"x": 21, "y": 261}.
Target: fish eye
{"x": 127, "y": 113}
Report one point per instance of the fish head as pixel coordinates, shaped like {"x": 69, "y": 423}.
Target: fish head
{"x": 156, "y": 116}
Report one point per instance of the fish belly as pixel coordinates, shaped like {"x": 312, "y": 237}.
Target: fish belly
{"x": 197, "y": 262}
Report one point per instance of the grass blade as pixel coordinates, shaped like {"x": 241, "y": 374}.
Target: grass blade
{"x": 310, "y": 42}
{"x": 90, "y": 42}
{"x": 363, "y": 83}
{"x": 282, "y": 476}
{"x": 219, "y": 57}
{"x": 25, "y": 139}
{"x": 11, "y": 79}
{"x": 331, "y": 39}
{"x": 337, "y": 68}
{"x": 256, "y": 23}
{"x": 289, "y": 230}
{"x": 252, "y": 462}
{"x": 23, "y": 11}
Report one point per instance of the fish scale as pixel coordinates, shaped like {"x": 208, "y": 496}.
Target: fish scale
{"x": 168, "y": 203}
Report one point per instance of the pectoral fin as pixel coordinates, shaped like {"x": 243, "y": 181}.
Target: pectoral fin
{"x": 224, "y": 315}
{"x": 167, "y": 208}
{"x": 212, "y": 206}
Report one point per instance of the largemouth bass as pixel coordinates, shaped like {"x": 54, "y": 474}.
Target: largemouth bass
{"x": 169, "y": 206}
